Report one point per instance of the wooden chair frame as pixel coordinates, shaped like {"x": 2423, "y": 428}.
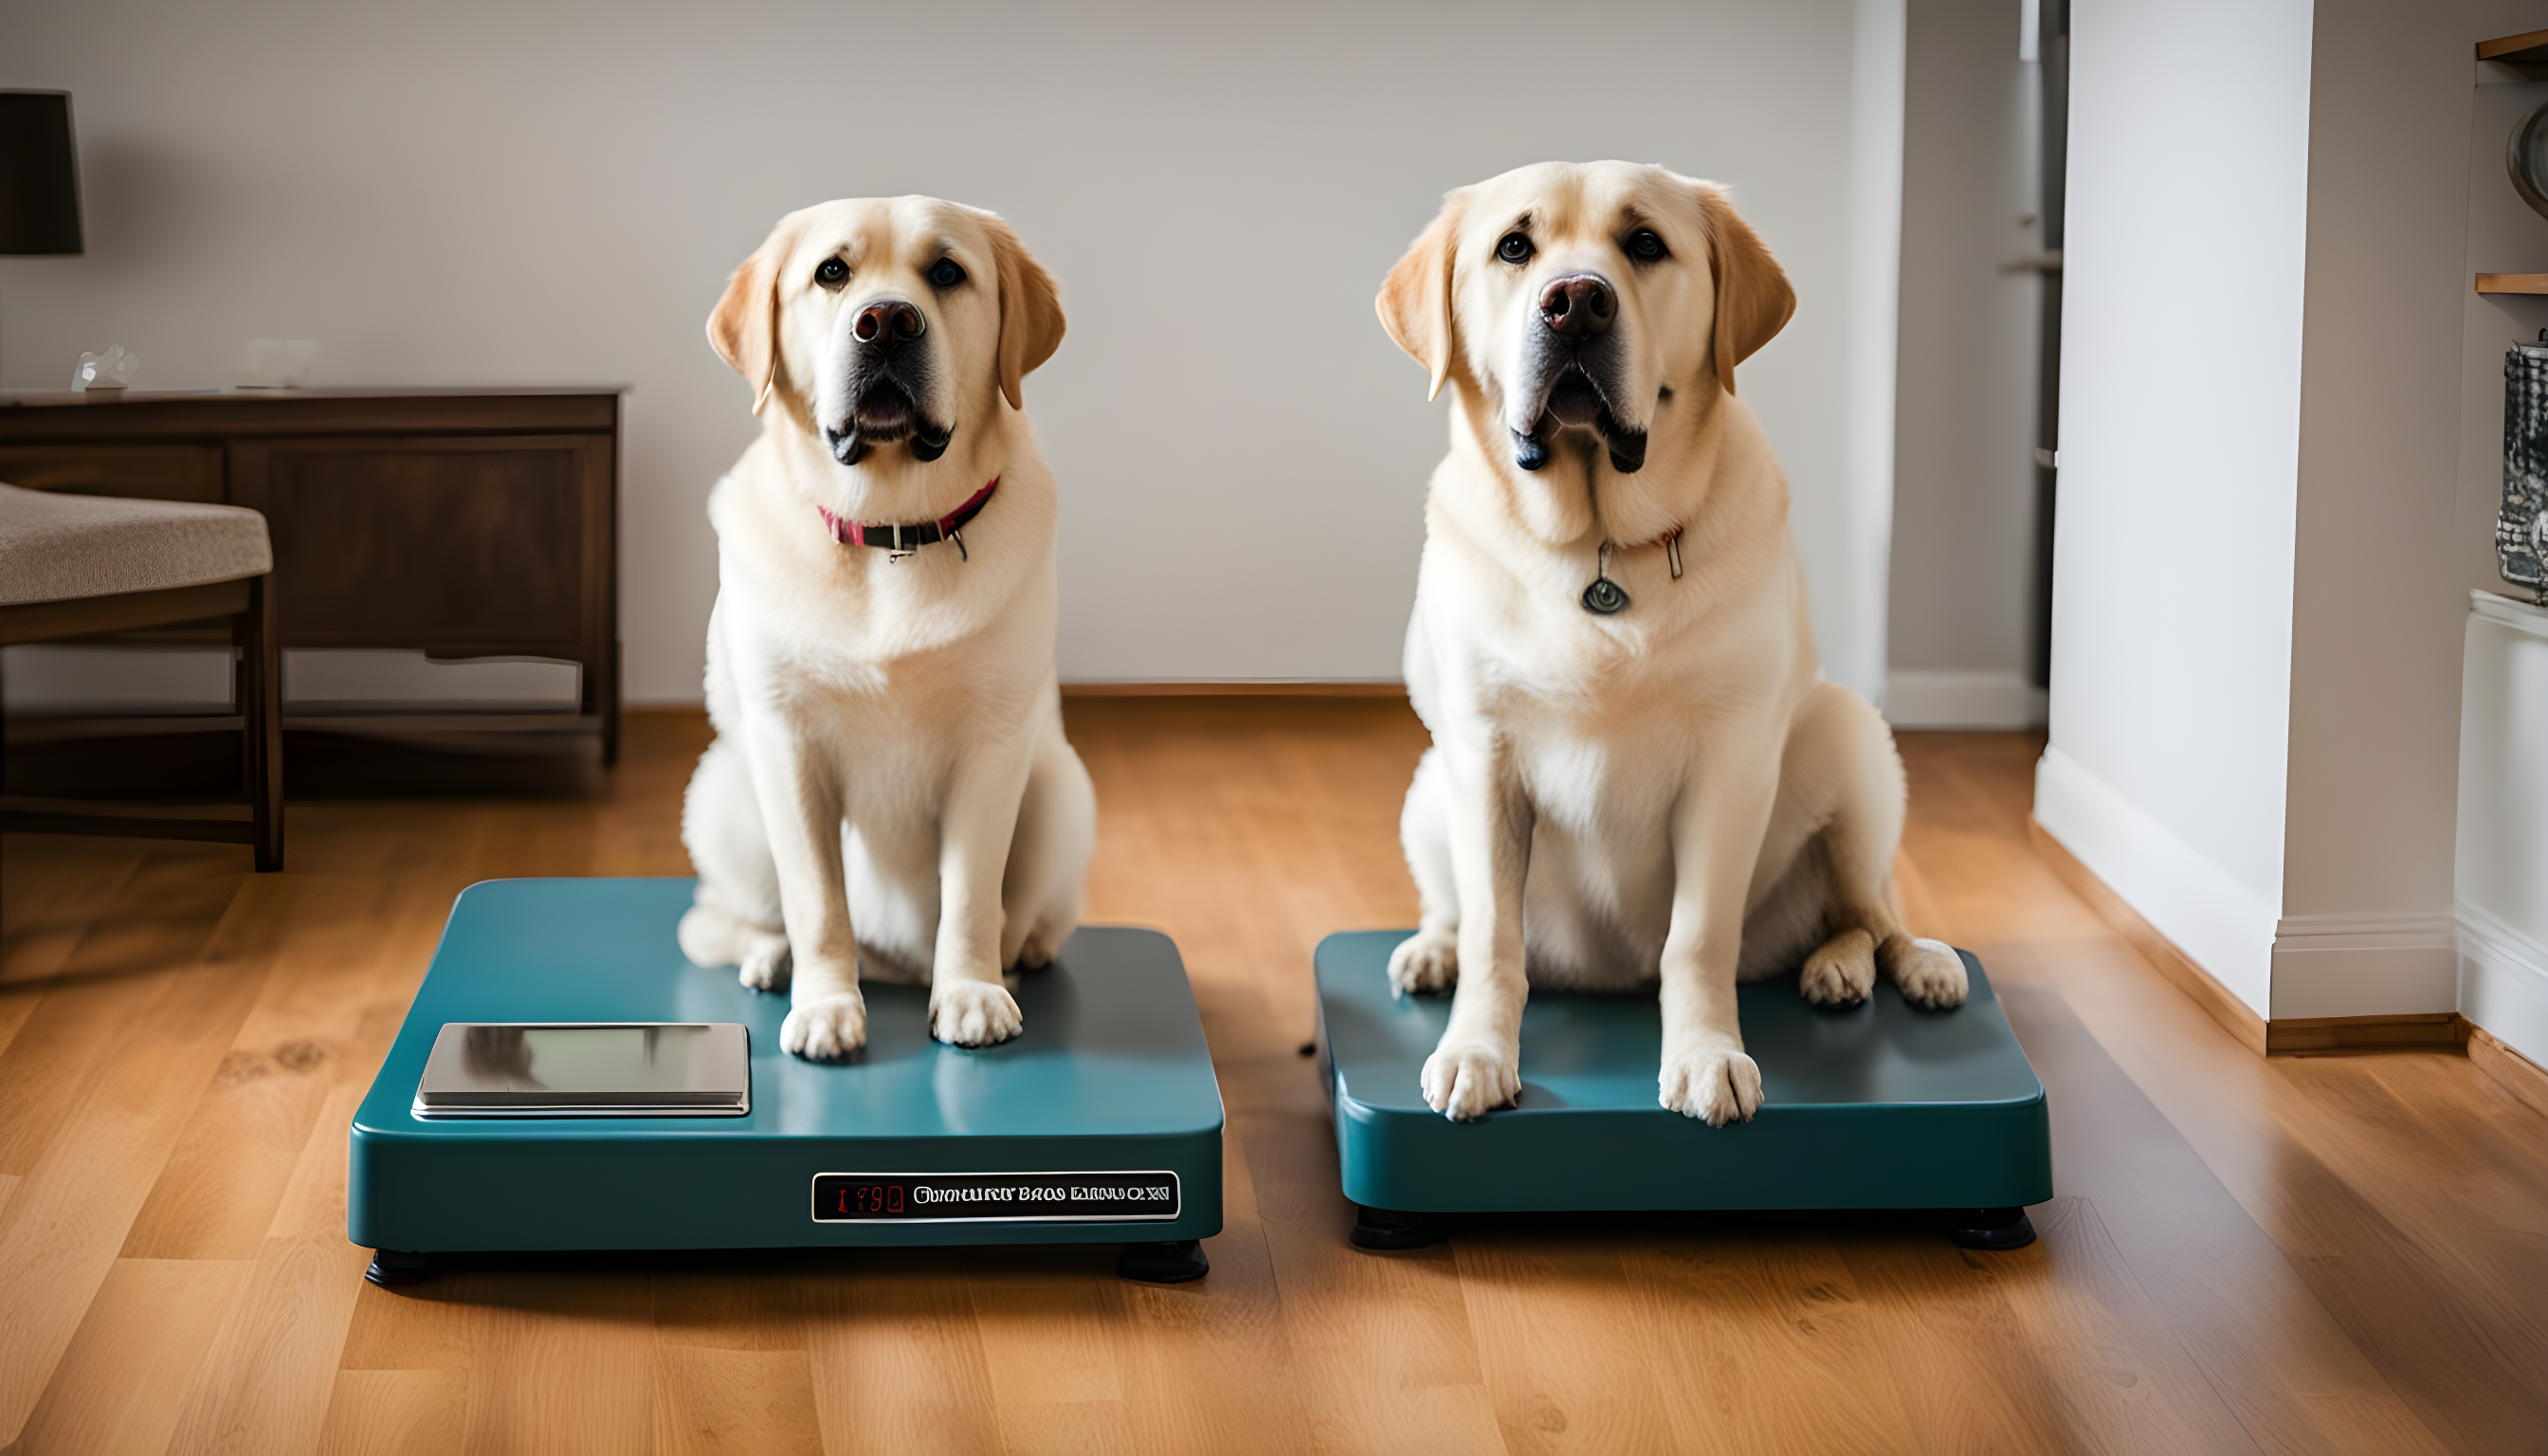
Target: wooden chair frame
{"x": 249, "y": 601}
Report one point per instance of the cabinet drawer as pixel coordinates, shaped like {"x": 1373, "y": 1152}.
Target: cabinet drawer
{"x": 145, "y": 472}
{"x": 460, "y": 546}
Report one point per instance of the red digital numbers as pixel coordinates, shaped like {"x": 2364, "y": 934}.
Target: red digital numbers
{"x": 873, "y": 1198}
{"x": 854, "y": 1199}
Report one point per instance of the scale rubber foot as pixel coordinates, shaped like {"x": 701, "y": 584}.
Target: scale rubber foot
{"x": 1382, "y": 1228}
{"x": 1179, "y": 1261}
{"x": 1995, "y": 1229}
{"x": 394, "y": 1269}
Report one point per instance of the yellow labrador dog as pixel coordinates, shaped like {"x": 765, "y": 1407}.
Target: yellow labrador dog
{"x": 1638, "y": 774}
{"x": 889, "y": 789}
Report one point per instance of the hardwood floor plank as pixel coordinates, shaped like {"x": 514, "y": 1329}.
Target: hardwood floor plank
{"x": 51, "y": 889}
{"x": 565, "y": 1364}
{"x": 268, "y": 1380}
{"x": 1049, "y": 1331}
{"x": 746, "y": 1306}
{"x": 1766, "y": 1339}
{"x": 1959, "y": 1364}
{"x": 395, "y": 1412}
{"x": 1543, "y": 1310}
{"x": 70, "y": 1212}
{"x": 1380, "y": 1342}
{"x": 218, "y": 1194}
{"x": 1185, "y": 1341}
{"x": 716, "y": 1401}
{"x": 436, "y": 1326}
{"x": 2180, "y": 1117}
{"x": 123, "y": 1377}
{"x": 1068, "y": 1428}
{"x": 896, "y": 1355}
{"x": 2119, "y": 1373}
{"x": 123, "y": 963}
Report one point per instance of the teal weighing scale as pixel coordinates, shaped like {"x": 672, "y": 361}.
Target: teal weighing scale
{"x": 567, "y": 1080}
{"x": 1881, "y": 1107}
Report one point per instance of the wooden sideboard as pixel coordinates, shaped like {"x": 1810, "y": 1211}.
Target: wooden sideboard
{"x": 460, "y": 522}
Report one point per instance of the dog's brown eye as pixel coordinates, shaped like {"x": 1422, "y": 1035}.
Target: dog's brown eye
{"x": 946, "y": 274}
{"x": 1515, "y": 249}
{"x": 1645, "y": 246}
{"x": 831, "y": 273}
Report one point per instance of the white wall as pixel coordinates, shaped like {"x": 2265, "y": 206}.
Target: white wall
{"x": 2180, "y": 412}
{"x": 1961, "y": 597}
{"x": 483, "y": 192}
{"x": 2281, "y": 433}
{"x": 2378, "y": 610}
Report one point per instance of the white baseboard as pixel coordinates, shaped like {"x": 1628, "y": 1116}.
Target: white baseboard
{"x": 1928, "y": 697}
{"x": 2504, "y": 982}
{"x": 2204, "y": 910}
{"x": 2402, "y": 964}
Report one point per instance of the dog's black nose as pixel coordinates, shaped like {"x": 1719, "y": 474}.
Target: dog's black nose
{"x": 887, "y": 325}
{"x": 1579, "y": 305}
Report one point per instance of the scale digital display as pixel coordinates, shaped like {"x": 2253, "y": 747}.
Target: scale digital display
{"x": 1111, "y": 1197}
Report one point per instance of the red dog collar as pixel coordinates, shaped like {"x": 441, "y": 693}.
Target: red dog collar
{"x": 902, "y": 540}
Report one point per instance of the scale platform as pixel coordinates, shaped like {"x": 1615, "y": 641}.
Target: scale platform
{"x": 1881, "y": 1107}
{"x": 1106, "y": 1102}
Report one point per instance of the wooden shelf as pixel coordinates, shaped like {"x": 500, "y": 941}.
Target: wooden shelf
{"x": 2512, "y": 283}
{"x": 2530, "y": 48}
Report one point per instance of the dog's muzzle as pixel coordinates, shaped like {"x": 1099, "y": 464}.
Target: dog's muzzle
{"x": 890, "y": 368}
{"x": 1576, "y": 371}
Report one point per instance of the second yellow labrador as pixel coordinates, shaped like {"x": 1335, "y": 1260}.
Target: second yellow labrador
{"x": 889, "y": 793}
{"x": 1639, "y": 776}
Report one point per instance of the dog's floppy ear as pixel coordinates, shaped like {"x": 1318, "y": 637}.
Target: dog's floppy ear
{"x": 744, "y": 326}
{"x": 1031, "y": 321}
{"x": 1753, "y": 298}
{"x": 1414, "y": 299}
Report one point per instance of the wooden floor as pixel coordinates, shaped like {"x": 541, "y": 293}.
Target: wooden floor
{"x": 2296, "y": 1255}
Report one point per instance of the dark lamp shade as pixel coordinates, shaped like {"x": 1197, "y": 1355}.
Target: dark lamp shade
{"x": 39, "y": 175}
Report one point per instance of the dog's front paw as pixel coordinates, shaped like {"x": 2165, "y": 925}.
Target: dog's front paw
{"x": 1719, "y": 1084}
{"x": 1930, "y": 972}
{"x": 827, "y": 1027}
{"x": 1842, "y": 972}
{"x": 1427, "y": 963}
{"x": 1466, "y": 1080}
{"x": 764, "y": 963}
{"x": 973, "y": 1014}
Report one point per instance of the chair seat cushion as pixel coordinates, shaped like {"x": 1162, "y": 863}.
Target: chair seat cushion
{"x": 57, "y": 546}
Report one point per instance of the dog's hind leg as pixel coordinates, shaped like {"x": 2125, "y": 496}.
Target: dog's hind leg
{"x": 734, "y": 917}
{"x": 1840, "y": 747}
{"x": 1046, "y": 880}
{"x": 1428, "y": 962}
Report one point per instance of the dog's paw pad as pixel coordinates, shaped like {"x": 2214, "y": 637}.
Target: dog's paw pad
{"x": 1427, "y": 964}
{"x": 1930, "y": 973}
{"x": 1465, "y": 1082}
{"x": 1842, "y": 972}
{"x": 1721, "y": 1087}
{"x": 973, "y": 1014}
{"x": 765, "y": 965}
{"x": 828, "y": 1029}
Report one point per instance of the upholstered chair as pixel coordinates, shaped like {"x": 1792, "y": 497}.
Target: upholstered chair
{"x": 71, "y": 565}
